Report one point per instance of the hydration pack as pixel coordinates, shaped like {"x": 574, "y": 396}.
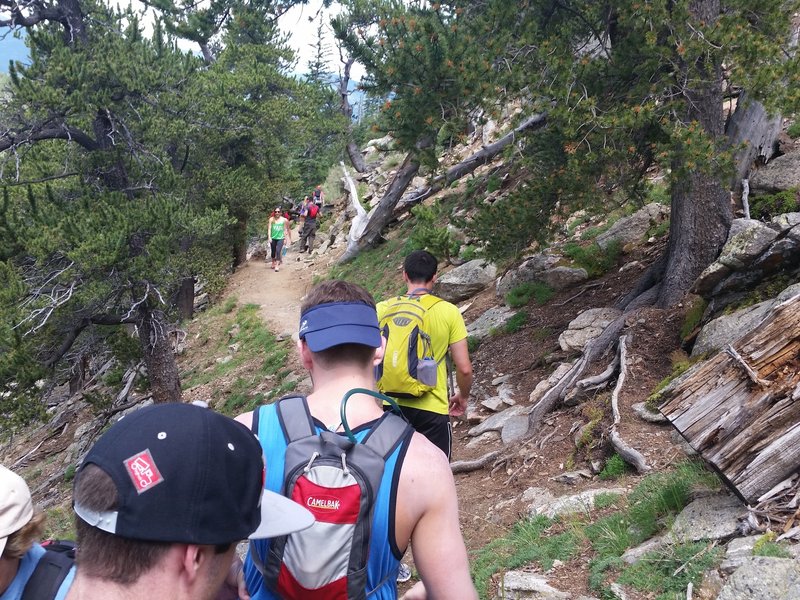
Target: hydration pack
{"x": 409, "y": 368}
{"x": 51, "y": 570}
{"x": 337, "y": 479}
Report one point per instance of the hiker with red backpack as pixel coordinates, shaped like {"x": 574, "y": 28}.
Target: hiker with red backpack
{"x": 28, "y": 571}
{"x": 309, "y": 230}
{"x": 373, "y": 484}
{"x": 420, "y": 329}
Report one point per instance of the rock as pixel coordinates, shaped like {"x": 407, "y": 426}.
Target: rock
{"x": 633, "y": 229}
{"x": 561, "y": 278}
{"x": 224, "y": 359}
{"x": 727, "y": 329}
{"x": 762, "y": 578}
{"x": 494, "y": 318}
{"x": 778, "y": 175}
{"x": 786, "y": 221}
{"x": 645, "y": 414}
{"x": 506, "y": 393}
{"x": 465, "y": 281}
{"x": 522, "y": 585}
{"x": 484, "y": 438}
{"x": 634, "y": 555}
{"x": 711, "y": 518}
{"x": 502, "y": 379}
{"x": 618, "y": 591}
{"x": 572, "y": 477}
{"x": 710, "y": 278}
{"x": 582, "y": 502}
{"x": 780, "y": 254}
{"x": 737, "y": 553}
{"x": 586, "y": 326}
{"x": 527, "y": 271}
{"x": 498, "y": 421}
{"x": 561, "y": 370}
{"x": 538, "y": 496}
{"x": 234, "y": 348}
{"x": 494, "y": 404}
{"x": 514, "y": 429}
{"x": 752, "y": 237}
{"x": 539, "y": 391}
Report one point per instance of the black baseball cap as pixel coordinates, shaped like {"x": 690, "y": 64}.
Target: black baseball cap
{"x": 185, "y": 474}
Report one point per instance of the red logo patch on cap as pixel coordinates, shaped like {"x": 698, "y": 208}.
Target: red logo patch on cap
{"x": 143, "y": 471}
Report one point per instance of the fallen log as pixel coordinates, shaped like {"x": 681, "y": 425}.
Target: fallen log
{"x": 744, "y": 421}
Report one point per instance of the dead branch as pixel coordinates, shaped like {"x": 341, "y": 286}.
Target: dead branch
{"x": 601, "y": 378}
{"x": 583, "y": 289}
{"x": 628, "y": 454}
{"x": 751, "y": 374}
{"x": 466, "y": 466}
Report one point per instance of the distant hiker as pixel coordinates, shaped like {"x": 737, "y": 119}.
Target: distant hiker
{"x": 323, "y": 450}
{"x": 162, "y": 499}
{"x": 436, "y": 326}
{"x": 278, "y": 230}
{"x": 25, "y": 566}
{"x": 309, "y": 231}
{"x": 318, "y": 196}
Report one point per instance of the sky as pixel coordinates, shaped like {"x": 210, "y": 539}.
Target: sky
{"x": 295, "y": 22}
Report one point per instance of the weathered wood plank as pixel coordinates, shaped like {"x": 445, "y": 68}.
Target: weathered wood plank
{"x": 737, "y": 411}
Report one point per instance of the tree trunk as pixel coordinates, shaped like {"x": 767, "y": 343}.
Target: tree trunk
{"x": 481, "y": 157}
{"x": 353, "y": 153}
{"x": 751, "y": 133}
{"x": 162, "y": 370}
{"x": 701, "y": 210}
{"x": 184, "y": 299}
{"x": 384, "y": 212}
{"x": 240, "y": 241}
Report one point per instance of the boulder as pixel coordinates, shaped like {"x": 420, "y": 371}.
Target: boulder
{"x": 762, "y": 578}
{"x": 748, "y": 238}
{"x": 523, "y": 585}
{"x": 465, "y": 281}
{"x": 634, "y": 228}
{"x": 786, "y": 220}
{"x": 497, "y": 421}
{"x": 710, "y": 518}
{"x": 727, "y": 329}
{"x": 492, "y": 319}
{"x": 780, "y": 254}
{"x": 710, "y": 278}
{"x": 582, "y": 502}
{"x": 778, "y": 175}
{"x": 560, "y": 278}
{"x": 515, "y": 429}
{"x": 586, "y": 326}
{"x": 527, "y": 271}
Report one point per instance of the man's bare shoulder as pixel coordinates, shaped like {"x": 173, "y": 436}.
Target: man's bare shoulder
{"x": 424, "y": 460}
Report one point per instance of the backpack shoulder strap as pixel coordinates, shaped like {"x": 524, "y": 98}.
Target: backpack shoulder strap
{"x": 295, "y": 418}
{"x": 256, "y": 417}
{"x": 50, "y": 572}
{"x": 390, "y": 431}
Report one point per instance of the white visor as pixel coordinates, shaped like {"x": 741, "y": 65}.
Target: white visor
{"x": 280, "y": 516}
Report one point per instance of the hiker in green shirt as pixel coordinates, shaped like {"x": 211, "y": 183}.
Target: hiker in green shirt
{"x": 278, "y": 230}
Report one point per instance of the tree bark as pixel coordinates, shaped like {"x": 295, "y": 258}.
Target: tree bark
{"x": 353, "y": 153}
{"x": 384, "y": 212}
{"x": 701, "y": 210}
{"x": 184, "y": 299}
{"x": 240, "y": 241}
{"x": 162, "y": 370}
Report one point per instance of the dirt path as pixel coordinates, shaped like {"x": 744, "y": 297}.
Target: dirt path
{"x": 278, "y": 294}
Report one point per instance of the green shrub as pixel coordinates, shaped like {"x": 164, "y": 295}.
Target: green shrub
{"x": 428, "y": 235}
{"x": 516, "y": 322}
{"x": 614, "y": 468}
{"x": 593, "y": 258}
{"x": 69, "y": 474}
{"x": 493, "y": 184}
{"x": 468, "y": 253}
{"x": 766, "y": 207}
{"x": 794, "y": 130}
{"x": 522, "y": 294}
{"x": 767, "y": 546}
{"x": 473, "y": 343}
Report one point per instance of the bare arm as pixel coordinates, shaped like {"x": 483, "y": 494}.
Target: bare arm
{"x": 439, "y": 552}
{"x": 460, "y": 354}
{"x": 286, "y": 231}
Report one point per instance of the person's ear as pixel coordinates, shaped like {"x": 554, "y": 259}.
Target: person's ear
{"x": 405, "y": 277}
{"x": 305, "y": 354}
{"x": 433, "y": 279}
{"x": 379, "y": 353}
{"x": 193, "y": 558}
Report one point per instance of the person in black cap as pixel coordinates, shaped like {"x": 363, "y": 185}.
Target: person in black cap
{"x": 161, "y": 500}
{"x": 340, "y": 344}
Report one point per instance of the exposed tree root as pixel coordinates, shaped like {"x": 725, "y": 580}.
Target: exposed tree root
{"x": 465, "y": 466}
{"x": 628, "y": 454}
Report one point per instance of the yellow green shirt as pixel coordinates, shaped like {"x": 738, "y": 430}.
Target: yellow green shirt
{"x": 446, "y": 326}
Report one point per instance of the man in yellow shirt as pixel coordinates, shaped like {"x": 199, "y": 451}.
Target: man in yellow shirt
{"x": 430, "y": 413}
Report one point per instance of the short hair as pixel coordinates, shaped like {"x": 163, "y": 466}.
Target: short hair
{"x": 103, "y": 555}
{"x": 420, "y": 266}
{"x": 338, "y": 290}
{"x": 19, "y": 542}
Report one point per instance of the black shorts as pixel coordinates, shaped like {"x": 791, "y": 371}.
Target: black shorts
{"x": 434, "y": 426}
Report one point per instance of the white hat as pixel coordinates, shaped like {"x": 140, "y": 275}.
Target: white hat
{"x": 16, "y": 508}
